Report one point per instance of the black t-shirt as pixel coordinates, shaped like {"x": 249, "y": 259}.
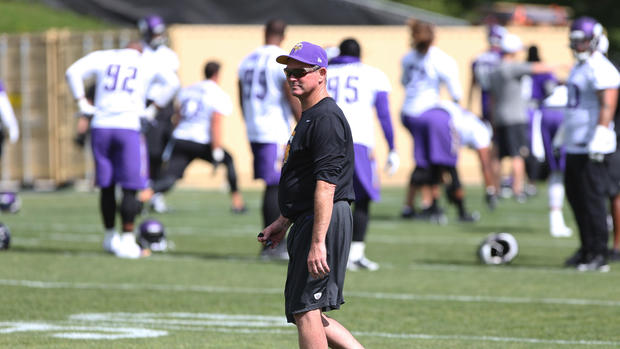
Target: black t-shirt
{"x": 320, "y": 148}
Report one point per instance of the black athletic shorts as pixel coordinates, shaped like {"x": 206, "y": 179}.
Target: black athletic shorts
{"x": 512, "y": 140}
{"x": 302, "y": 292}
{"x": 612, "y": 161}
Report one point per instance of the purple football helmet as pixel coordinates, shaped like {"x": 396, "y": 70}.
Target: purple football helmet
{"x": 152, "y": 235}
{"x": 584, "y": 35}
{"x": 9, "y": 202}
{"x": 152, "y": 29}
{"x": 495, "y": 34}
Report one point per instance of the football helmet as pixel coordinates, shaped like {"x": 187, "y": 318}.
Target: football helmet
{"x": 585, "y": 33}
{"x": 152, "y": 29}
{"x": 5, "y": 237}
{"x": 152, "y": 235}
{"x": 495, "y": 33}
{"x": 9, "y": 202}
{"x": 498, "y": 248}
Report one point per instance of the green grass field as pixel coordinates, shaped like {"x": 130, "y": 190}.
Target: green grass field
{"x": 58, "y": 289}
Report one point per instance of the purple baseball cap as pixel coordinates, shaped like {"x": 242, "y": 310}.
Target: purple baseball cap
{"x": 306, "y": 52}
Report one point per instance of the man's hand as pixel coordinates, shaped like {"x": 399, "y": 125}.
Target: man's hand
{"x": 217, "y": 154}
{"x": 393, "y": 162}
{"x": 317, "y": 260}
{"x": 603, "y": 142}
{"x": 274, "y": 232}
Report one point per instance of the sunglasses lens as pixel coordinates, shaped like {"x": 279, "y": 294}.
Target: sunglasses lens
{"x": 297, "y": 73}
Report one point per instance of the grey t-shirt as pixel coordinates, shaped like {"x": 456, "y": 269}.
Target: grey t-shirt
{"x": 509, "y": 106}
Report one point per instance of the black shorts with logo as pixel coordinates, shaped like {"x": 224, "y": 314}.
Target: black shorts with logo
{"x": 302, "y": 292}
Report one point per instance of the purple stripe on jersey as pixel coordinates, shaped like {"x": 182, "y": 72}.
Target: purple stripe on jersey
{"x": 267, "y": 162}
{"x": 344, "y": 60}
{"x": 120, "y": 158}
{"x": 385, "y": 119}
{"x": 538, "y": 85}
{"x": 551, "y": 121}
{"x": 365, "y": 180}
{"x": 1, "y": 86}
{"x": 486, "y": 106}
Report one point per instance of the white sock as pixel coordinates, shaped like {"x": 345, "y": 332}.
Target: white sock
{"x": 128, "y": 235}
{"x": 556, "y": 190}
{"x": 357, "y": 250}
{"x": 556, "y": 219}
{"x": 111, "y": 232}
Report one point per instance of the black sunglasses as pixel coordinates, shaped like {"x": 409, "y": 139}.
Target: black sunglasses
{"x": 300, "y": 72}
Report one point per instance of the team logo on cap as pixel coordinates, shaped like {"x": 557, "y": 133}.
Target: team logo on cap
{"x": 297, "y": 47}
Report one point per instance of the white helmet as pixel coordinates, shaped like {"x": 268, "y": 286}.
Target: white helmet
{"x": 498, "y": 248}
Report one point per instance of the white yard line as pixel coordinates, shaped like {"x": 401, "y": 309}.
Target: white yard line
{"x": 356, "y": 294}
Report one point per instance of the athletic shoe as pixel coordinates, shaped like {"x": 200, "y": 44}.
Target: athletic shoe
{"x": 521, "y": 198}
{"x": 470, "y": 217}
{"x": 491, "y": 200}
{"x": 596, "y": 263}
{"x": 408, "y": 213}
{"x": 434, "y": 215}
{"x": 111, "y": 241}
{"x": 576, "y": 259}
{"x": 158, "y": 204}
{"x": 561, "y": 232}
{"x": 128, "y": 248}
{"x": 239, "y": 210}
{"x": 362, "y": 264}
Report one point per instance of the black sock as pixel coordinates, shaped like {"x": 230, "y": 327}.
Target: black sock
{"x": 360, "y": 220}
{"x": 107, "y": 205}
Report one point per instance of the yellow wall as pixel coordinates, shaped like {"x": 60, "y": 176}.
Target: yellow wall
{"x": 382, "y": 47}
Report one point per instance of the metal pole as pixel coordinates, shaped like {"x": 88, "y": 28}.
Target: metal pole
{"x": 24, "y": 53}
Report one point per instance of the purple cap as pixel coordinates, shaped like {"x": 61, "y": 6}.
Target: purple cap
{"x": 306, "y": 52}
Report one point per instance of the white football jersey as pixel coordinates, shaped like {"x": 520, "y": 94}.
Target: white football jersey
{"x": 164, "y": 58}
{"x": 422, "y": 76}
{"x": 482, "y": 67}
{"x": 582, "y": 109}
{"x": 472, "y": 131}
{"x": 354, "y": 86}
{"x": 122, "y": 79}
{"x": 265, "y": 107}
{"x": 197, "y": 103}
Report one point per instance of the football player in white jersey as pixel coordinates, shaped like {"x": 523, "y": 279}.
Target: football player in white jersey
{"x": 152, "y": 30}
{"x": 358, "y": 88}
{"x": 198, "y": 134}
{"x": 588, "y": 136}
{"x": 268, "y": 110}
{"x": 122, "y": 77}
{"x": 424, "y": 70}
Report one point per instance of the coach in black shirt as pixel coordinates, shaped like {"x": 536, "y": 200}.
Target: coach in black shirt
{"x": 316, "y": 189}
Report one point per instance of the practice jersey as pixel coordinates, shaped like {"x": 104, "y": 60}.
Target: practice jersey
{"x": 354, "y": 87}
{"x": 422, "y": 76}
{"x": 164, "y": 58}
{"x": 122, "y": 79}
{"x": 472, "y": 131}
{"x": 482, "y": 67}
{"x": 265, "y": 106}
{"x": 197, "y": 104}
{"x": 582, "y": 112}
